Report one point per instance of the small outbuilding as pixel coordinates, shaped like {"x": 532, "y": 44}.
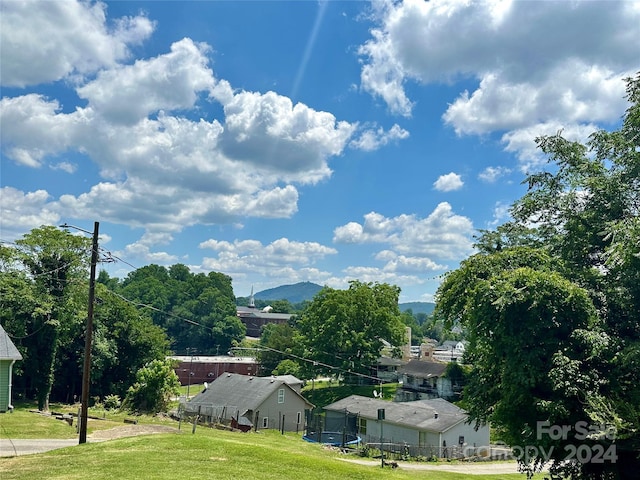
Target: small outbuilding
{"x": 8, "y": 356}
{"x": 258, "y": 402}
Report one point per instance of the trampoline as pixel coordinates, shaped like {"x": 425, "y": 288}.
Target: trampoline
{"x": 335, "y": 439}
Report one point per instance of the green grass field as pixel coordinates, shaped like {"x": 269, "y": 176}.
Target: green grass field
{"x": 208, "y": 453}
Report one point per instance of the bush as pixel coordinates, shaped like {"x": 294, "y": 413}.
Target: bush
{"x": 156, "y": 384}
{"x": 112, "y": 402}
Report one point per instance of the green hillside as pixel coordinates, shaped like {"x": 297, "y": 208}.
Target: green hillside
{"x": 418, "y": 307}
{"x": 305, "y": 291}
{"x": 296, "y": 293}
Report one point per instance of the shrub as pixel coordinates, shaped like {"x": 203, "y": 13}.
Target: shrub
{"x": 112, "y": 402}
{"x": 156, "y": 383}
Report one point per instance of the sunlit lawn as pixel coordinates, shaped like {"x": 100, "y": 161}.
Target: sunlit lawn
{"x": 22, "y": 423}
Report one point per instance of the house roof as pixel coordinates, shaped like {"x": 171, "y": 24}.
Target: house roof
{"x": 427, "y": 415}
{"x": 8, "y": 350}
{"x": 424, "y": 368}
{"x": 246, "y": 312}
{"x": 289, "y": 379}
{"x": 214, "y": 359}
{"x": 390, "y": 362}
{"x": 242, "y": 392}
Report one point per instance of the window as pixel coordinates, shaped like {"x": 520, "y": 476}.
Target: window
{"x": 299, "y": 418}
{"x": 362, "y": 425}
{"x": 281, "y": 395}
{"x": 265, "y": 422}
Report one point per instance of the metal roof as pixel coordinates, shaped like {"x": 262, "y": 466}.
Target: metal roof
{"x": 213, "y": 359}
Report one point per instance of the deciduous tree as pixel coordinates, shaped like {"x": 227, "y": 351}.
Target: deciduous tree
{"x": 552, "y": 306}
{"x": 346, "y": 328}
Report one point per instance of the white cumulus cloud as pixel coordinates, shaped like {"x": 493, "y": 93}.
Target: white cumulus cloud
{"x": 492, "y": 174}
{"x": 44, "y": 41}
{"x": 441, "y": 235}
{"x": 448, "y": 183}
{"x": 559, "y": 63}
{"x": 373, "y": 139}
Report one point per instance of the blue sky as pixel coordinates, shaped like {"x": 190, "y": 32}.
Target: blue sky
{"x": 282, "y": 141}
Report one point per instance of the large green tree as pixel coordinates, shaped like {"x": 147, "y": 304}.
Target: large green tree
{"x": 345, "y": 329}
{"x": 277, "y": 343}
{"x": 552, "y": 307}
{"x": 43, "y": 307}
{"x": 124, "y": 342}
{"x": 525, "y": 325}
{"x": 56, "y": 273}
{"x": 197, "y": 311}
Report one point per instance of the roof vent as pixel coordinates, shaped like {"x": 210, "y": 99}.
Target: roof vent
{"x": 435, "y": 415}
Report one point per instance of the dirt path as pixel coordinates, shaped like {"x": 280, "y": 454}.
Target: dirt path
{"x": 129, "y": 431}
{"x": 15, "y": 447}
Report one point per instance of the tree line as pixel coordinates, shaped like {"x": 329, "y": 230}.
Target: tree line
{"x": 151, "y": 313}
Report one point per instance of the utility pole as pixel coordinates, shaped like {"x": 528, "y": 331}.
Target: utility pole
{"x": 86, "y": 368}
{"x": 189, "y": 350}
{"x": 88, "y": 335}
{"x": 381, "y": 415}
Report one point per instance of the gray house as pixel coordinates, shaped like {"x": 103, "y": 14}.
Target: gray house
{"x": 258, "y": 402}
{"x": 424, "y": 379}
{"x": 434, "y": 425}
{"x": 8, "y": 355}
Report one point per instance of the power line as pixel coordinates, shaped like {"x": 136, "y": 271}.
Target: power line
{"x": 155, "y": 309}
{"x": 309, "y": 360}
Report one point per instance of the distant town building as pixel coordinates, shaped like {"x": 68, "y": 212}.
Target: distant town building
{"x": 255, "y": 319}
{"x": 448, "y": 351}
{"x": 423, "y": 380}
{"x": 198, "y": 369}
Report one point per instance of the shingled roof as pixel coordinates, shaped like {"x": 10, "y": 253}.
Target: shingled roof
{"x": 8, "y": 350}
{"x": 244, "y": 393}
{"x": 423, "y": 369}
{"x": 436, "y": 415}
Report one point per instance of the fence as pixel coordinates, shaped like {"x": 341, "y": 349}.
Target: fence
{"x": 230, "y": 416}
{"x": 405, "y": 451}
{"x": 345, "y": 425}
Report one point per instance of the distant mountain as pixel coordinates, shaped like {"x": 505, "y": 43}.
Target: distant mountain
{"x": 418, "y": 307}
{"x": 296, "y": 293}
{"x": 299, "y": 292}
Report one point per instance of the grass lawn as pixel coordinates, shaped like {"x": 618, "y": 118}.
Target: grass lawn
{"x": 208, "y": 453}
{"x": 322, "y": 393}
{"x": 24, "y": 424}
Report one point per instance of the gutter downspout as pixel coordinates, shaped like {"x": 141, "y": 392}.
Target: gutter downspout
{"x": 9, "y": 405}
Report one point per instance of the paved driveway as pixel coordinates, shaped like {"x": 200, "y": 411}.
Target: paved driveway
{"x": 12, "y": 448}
